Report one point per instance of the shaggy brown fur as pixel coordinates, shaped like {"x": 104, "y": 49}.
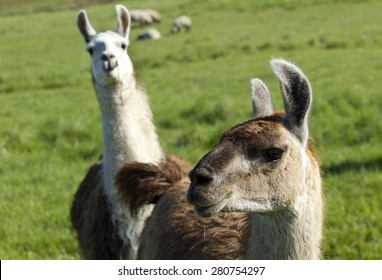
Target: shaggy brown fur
{"x": 90, "y": 213}
{"x": 143, "y": 183}
{"x": 173, "y": 231}
{"x": 90, "y": 217}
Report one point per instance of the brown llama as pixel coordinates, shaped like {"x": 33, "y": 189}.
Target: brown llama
{"x": 262, "y": 175}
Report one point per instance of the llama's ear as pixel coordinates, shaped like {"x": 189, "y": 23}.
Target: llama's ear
{"x": 123, "y": 21}
{"x": 261, "y": 99}
{"x": 297, "y": 96}
{"x": 83, "y": 24}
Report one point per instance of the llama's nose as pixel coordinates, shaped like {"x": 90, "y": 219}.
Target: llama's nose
{"x": 109, "y": 61}
{"x": 200, "y": 177}
{"x": 107, "y": 56}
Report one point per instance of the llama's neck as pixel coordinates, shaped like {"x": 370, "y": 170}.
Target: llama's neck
{"x": 128, "y": 130}
{"x": 128, "y": 135}
{"x": 293, "y": 234}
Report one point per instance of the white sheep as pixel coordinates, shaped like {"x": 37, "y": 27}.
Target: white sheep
{"x": 155, "y": 16}
{"x": 141, "y": 17}
{"x": 151, "y": 33}
{"x": 181, "y": 22}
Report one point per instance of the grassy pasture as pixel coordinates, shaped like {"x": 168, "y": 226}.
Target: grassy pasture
{"x": 50, "y": 130}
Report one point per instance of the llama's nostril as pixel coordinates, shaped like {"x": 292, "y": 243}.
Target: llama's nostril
{"x": 107, "y": 57}
{"x": 202, "y": 180}
{"x": 198, "y": 192}
{"x": 104, "y": 56}
{"x": 202, "y": 176}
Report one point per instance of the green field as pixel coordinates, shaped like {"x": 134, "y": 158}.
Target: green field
{"x": 198, "y": 83}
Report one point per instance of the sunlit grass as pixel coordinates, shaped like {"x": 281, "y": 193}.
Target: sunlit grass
{"x": 198, "y": 83}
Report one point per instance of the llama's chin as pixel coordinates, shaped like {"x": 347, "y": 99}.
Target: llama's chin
{"x": 111, "y": 73}
{"x": 108, "y": 78}
{"x": 208, "y": 211}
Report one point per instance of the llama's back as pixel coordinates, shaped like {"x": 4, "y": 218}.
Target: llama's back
{"x": 90, "y": 217}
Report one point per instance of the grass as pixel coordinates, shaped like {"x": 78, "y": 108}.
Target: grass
{"x": 50, "y": 129}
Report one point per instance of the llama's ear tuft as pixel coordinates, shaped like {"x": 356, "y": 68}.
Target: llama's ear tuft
{"x": 297, "y": 95}
{"x": 261, "y": 99}
{"x": 123, "y": 21}
{"x": 83, "y": 24}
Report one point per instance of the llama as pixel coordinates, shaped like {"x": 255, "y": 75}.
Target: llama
{"x": 265, "y": 167}
{"x": 257, "y": 193}
{"x": 106, "y": 228}
{"x": 182, "y": 22}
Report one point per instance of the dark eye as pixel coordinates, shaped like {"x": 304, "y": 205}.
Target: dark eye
{"x": 123, "y": 46}
{"x": 90, "y": 50}
{"x": 273, "y": 154}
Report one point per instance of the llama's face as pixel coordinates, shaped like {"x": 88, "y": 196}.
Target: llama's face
{"x": 258, "y": 166}
{"x": 109, "y": 60}
{"x": 261, "y": 165}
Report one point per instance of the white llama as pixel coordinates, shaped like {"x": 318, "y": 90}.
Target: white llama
{"x": 128, "y": 136}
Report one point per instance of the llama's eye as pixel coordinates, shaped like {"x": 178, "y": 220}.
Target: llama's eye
{"x": 273, "y": 154}
{"x": 123, "y": 46}
{"x": 90, "y": 50}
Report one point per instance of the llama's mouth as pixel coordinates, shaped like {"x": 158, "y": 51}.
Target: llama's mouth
{"x": 109, "y": 66}
{"x": 208, "y": 211}
{"x": 207, "y": 203}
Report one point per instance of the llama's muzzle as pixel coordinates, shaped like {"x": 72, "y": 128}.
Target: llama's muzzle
{"x": 109, "y": 62}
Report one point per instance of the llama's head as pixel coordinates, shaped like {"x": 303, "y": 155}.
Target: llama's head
{"x": 110, "y": 62}
{"x": 260, "y": 165}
